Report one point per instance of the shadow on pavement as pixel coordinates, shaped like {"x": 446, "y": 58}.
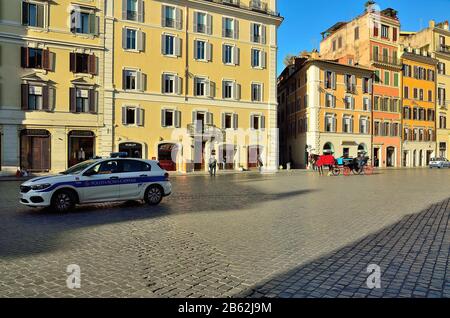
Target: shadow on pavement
{"x": 413, "y": 255}
{"x": 33, "y": 231}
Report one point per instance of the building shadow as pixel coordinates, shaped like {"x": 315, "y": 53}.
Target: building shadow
{"x": 22, "y": 227}
{"x": 413, "y": 256}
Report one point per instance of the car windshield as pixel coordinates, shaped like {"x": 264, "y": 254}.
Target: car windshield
{"x": 79, "y": 167}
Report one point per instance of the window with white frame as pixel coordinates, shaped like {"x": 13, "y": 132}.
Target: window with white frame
{"x": 367, "y": 104}
{"x": 230, "y": 54}
{"x": 35, "y": 97}
{"x": 202, "y": 87}
{"x": 131, "y": 10}
{"x": 258, "y": 58}
{"x": 257, "y": 92}
{"x": 33, "y": 14}
{"x": 171, "y": 17}
{"x": 349, "y": 102}
{"x": 133, "y": 80}
{"x": 363, "y": 125}
{"x": 168, "y": 44}
{"x": 82, "y": 100}
{"x": 330, "y": 100}
{"x": 330, "y": 123}
{"x": 228, "y": 89}
{"x": 168, "y": 117}
{"x": 131, "y": 39}
{"x": 171, "y": 83}
{"x": 347, "y": 124}
{"x": 202, "y": 50}
{"x": 229, "y": 121}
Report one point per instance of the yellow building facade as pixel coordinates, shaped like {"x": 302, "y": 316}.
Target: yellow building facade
{"x": 325, "y": 106}
{"x": 436, "y": 39}
{"x": 51, "y": 84}
{"x": 419, "y": 107}
{"x": 191, "y": 79}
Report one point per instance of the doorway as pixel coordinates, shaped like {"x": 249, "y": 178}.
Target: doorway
{"x": 133, "y": 149}
{"x": 81, "y": 146}
{"x": 199, "y": 155}
{"x": 390, "y": 157}
{"x": 376, "y": 157}
{"x": 254, "y": 152}
{"x": 429, "y": 154}
{"x": 35, "y": 150}
{"x": 167, "y": 153}
{"x": 226, "y": 157}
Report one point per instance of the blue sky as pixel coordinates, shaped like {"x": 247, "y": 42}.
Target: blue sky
{"x": 306, "y": 19}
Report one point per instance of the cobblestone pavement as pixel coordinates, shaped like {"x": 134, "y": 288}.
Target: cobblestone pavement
{"x": 288, "y": 235}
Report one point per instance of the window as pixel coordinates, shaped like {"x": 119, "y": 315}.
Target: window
{"x": 257, "y": 122}
{"x": 202, "y": 87}
{"x": 230, "y": 54}
{"x": 330, "y": 100}
{"x": 363, "y": 125}
{"x": 330, "y": 80}
{"x": 375, "y": 53}
{"x": 171, "y": 17}
{"x": 229, "y": 121}
{"x": 133, "y": 80}
{"x": 350, "y": 83}
{"x": 35, "y": 101}
{"x": 394, "y": 34}
{"x": 168, "y": 44}
{"x": 83, "y": 100}
{"x": 421, "y": 94}
{"x": 387, "y": 77}
{"x": 33, "y": 14}
{"x": 83, "y": 63}
{"x": 377, "y": 128}
{"x": 36, "y": 58}
{"x": 442, "y": 122}
{"x": 230, "y": 28}
{"x": 257, "y": 92}
{"x": 377, "y": 76}
{"x": 168, "y": 119}
{"x": 131, "y": 39}
{"x": 340, "y": 42}
{"x": 202, "y": 23}
{"x": 135, "y": 166}
{"x": 441, "y": 68}
{"x": 376, "y": 29}
{"x": 406, "y": 92}
{"x": 441, "y": 97}
{"x": 257, "y": 33}
{"x": 367, "y": 85}
{"x": 349, "y": 102}
{"x": 330, "y": 123}
{"x": 132, "y": 115}
{"x": 396, "y": 80}
{"x": 83, "y": 21}
{"x": 385, "y": 31}
{"x": 258, "y": 58}
{"x": 347, "y": 124}
{"x": 200, "y": 50}
{"x": 366, "y": 104}
{"x": 130, "y": 80}
{"x": 133, "y": 10}
{"x": 356, "y": 33}
{"x": 229, "y": 89}
{"x": 334, "y": 45}
{"x": 171, "y": 84}
{"x": 416, "y": 93}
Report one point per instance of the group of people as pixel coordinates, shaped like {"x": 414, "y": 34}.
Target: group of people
{"x": 212, "y": 164}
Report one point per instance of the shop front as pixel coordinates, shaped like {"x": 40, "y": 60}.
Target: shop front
{"x": 226, "y": 156}
{"x": 254, "y": 154}
{"x": 133, "y": 149}
{"x": 81, "y": 146}
{"x": 167, "y": 154}
{"x": 35, "y": 150}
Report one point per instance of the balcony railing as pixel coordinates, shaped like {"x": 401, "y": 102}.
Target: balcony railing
{"x": 444, "y": 48}
{"x": 387, "y": 59}
{"x": 252, "y": 5}
{"x": 205, "y": 130}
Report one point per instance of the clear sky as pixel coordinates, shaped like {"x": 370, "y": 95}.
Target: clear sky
{"x": 306, "y": 19}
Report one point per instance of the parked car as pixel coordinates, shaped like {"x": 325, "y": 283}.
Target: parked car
{"x": 99, "y": 180}
{"x": 439, "y": 163}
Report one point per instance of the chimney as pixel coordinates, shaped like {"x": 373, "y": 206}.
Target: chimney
{"x": 432, "y": 24}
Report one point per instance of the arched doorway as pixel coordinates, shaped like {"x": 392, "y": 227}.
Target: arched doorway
{"x": 390, "y": 157}
{"x": 133, "y": 149}
{"x": 226, "y": 156}
{"x": 254, "y": 152}
{"x": 328, "y": 148}
{"x": 35, "y": 150}
{"x": 167, "y": 153}
{"x": 81, "y": 146}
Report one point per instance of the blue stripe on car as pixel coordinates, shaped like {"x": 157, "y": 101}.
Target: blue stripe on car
{"x": 104, "y": 182}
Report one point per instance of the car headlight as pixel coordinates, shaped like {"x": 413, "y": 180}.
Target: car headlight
{"x": 41, "y": 186}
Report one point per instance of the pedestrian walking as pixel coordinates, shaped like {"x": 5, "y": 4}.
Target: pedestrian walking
{"x": 260, "y": 162}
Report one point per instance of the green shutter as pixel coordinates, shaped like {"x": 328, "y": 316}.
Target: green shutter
{"x": 387, "y": 78}
{"x": 396, "y": 83}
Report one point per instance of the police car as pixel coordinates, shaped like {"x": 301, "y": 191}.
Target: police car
{"x": 99, "y": 180}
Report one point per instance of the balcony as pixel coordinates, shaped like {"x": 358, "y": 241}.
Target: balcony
{"x": 253, "y": 5}
{"x": 443, "y": 49}
{"x": 386, "y": 60}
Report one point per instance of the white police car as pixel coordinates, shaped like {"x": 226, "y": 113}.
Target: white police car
{"x": 99, "y": 180}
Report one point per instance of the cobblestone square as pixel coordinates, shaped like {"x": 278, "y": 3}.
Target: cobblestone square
{"x": 293, "y": 234}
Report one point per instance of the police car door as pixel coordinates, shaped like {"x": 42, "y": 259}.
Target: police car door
{"x": 102, "y": 182}
{"x": 135, "y": 174}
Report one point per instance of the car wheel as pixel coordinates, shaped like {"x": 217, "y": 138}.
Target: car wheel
{"x": 63, "y": 201}
{"x": 153, "y": 195}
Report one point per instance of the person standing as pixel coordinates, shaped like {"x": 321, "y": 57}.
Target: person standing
{"x": 212, "y": 166}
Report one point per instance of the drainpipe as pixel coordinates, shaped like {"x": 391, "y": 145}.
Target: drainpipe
{"x": 186, "y": 54}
